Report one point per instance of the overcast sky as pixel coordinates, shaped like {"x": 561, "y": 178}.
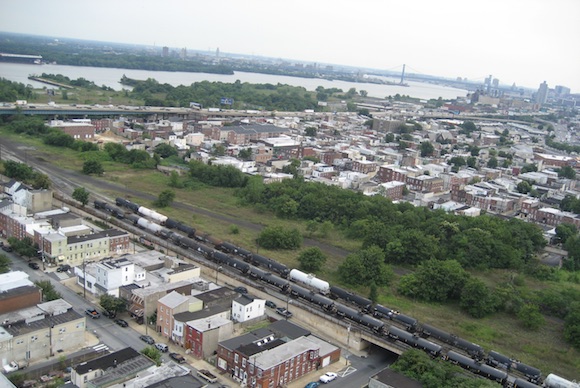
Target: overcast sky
{"x": 521, "y": 41}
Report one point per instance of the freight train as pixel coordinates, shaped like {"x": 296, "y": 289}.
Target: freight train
{"x": 320, "y": 293}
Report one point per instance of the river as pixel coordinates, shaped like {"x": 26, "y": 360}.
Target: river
{"x": 111, "y": 76}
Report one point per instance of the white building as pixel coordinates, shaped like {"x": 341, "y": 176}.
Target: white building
{"x": 246, "y": 308}
{"x": 112, "y": 274}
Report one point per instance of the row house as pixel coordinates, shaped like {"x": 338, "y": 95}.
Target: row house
{"x": 270, "y": 361}
{"x": 245, "y": 308}
{"x": 386, "y": 125}
{"x": 323, "y": 171}
{"x": 13, "y": 221}
{"x": 111, "y": 369}
{"x": 204, "y": 329}
{"x": 142, "y": 301}
{"x": 115, "y": 273}
{"x": 364, "y": 166}
{"x": 391, "y": 173}
{"x": 95, "y": 246}
{"x": 169, "y": 305}
{"x": 17, "y": 292}
{"x": 102, "y": 125}
{"x": 532, "y": 211}
{"x": 548, "y": 160}
{"x": 392, "y": 190}
{"x": 35, "y": 333}
{"x": 247, "y": 133}
{"x": 330, "y": 156}
{"x": 425, "y": 183}
{"x": 33, "y": 200}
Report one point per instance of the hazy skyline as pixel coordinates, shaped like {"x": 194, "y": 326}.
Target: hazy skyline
{"x": 526, "y": 42}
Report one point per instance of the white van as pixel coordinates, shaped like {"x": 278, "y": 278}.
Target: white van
{"x": 162, "y": 348}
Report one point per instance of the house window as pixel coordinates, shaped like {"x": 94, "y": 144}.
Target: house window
{"x": 62, "y": 330}
{"x": 243, "y": 362}
{"x": 236, "y": 358}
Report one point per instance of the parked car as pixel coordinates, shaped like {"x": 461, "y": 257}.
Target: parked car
{"x": 270, "y": 304}
{"x": 11, "y": 367}
{"x": 241, "y": 290}
{"x": 7, "y": 248}
{"x": 162, "y": 347}
{"x": 328, "y": 377}
{"x": 283, "y": 312}
{"x": 207, "y": 376}
{"x": 93, "y": 313}
{"x": 121, "y": 322}
{"x": 313, "y": 384}
{"x": 63, "y": 268}
{"x": 109, "y": 314}
{"x": 177, "y": 357}
{"x": 147, "y": 338}
{"x": 33, "y": 265}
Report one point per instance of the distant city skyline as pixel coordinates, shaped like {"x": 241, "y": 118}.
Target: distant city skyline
{"x": 525, "y": 42}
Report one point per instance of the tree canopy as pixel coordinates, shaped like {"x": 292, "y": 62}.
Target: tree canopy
{"x": 81, "y": 194}
{"x": 277, "y": 237}
{"x": 311, "y": 259}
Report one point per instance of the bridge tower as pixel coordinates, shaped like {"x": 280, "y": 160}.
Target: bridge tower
{"x": 403, "y": 76}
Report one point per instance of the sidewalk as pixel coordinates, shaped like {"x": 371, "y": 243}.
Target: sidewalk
{"x": 223, "y": 378}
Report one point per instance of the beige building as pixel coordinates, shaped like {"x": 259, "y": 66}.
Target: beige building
{"x": 35, "y": 333}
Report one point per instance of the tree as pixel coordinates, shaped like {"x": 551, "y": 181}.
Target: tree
{"x": 165, "y": 198}
{"x": 469, "y": 126}
{"x": 112, "y": 303}
{"x": 529, "y": 168}
{"x": 24, "y": 247}
{"x": 153, "y": 353}
{"x": 17, "y": 171}
{"x": 310, "y": 131}
{"x": 435, "y": 281}
{"x": 174, "y": 180}
{"x": 524, "y": 187}
{"x": 373, "y": 292}
{"x": 81, "y": 194}
{"x": 530, "y": 316}
{"x": 366, "y": 266}
{"x": 277, "y": 237}
{"x": 4, "y": 263}
{"x": 93, "y": 167}
{"x": 565, "y": 231}
{"x": 165, "y": 150}
{"x": 427, "y": 149}
{"x": 492, "y": 162}
{"x": 245, "y": 154}
{"x": 572, "y": 325}
{"x": 566, "y": 172}
{"x": 457, "y": 161}
{"x": 311, "y": 259}
{"x": 48, "y": 291}
{"x": 471, "y": 161}
{"x": 326, "y": 228}
{"x": 477, "y": 299}
{"x": 389, "y": 137}
{"x": 41, "y": 181}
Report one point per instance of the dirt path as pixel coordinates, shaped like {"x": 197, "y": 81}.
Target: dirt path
{"x": 66, "y": 180}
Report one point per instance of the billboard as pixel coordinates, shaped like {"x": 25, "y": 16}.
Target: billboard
{"x": 226, "y": 101}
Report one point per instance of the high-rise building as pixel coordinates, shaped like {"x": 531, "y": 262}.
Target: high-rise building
{"x": 561, "y": 90}
{"x": 542, "y": 94}
{"x": 165, "y": 51}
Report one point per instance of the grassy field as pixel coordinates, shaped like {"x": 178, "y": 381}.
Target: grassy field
{"x": 544, "y": 348}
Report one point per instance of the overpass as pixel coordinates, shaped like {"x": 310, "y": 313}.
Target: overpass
{"x": 110, "y": 110}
